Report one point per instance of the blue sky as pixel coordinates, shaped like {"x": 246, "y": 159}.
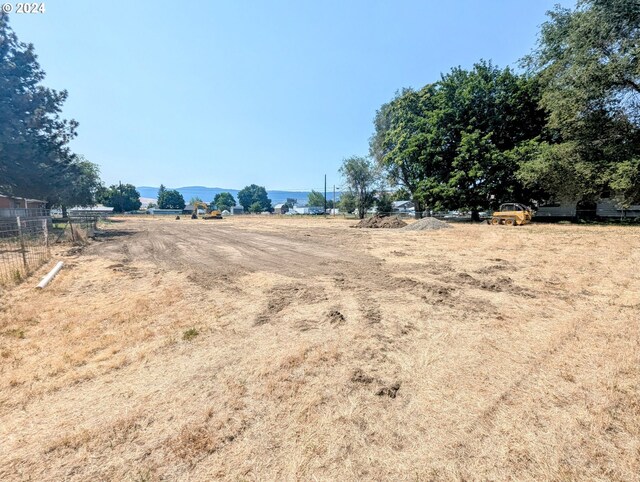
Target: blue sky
{"x": 275, "y": 93}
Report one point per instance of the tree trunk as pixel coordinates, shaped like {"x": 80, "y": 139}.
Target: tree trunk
{"x": 64, "y": 212}
{"x": 418, "y": 209}
{"x": 475, "y": 215}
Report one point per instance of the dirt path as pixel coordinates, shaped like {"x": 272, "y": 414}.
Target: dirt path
{"x": 316, "y": 350}
{"x": 218, "y": 247}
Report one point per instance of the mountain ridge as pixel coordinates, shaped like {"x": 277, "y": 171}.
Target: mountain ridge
{"x": 208, "y": 193}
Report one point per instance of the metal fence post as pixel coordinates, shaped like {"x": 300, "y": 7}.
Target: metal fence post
{"x": 73, "y": 235}
{"x": 22, "y": 248}
{"x": 45, "y": 230}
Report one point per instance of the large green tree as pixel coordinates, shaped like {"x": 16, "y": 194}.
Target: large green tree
{"x": 402, "y": 143}
{"x": 450, "y": 144}
{"x": 121, "y": 197}
{"x": 250, "y": 195}
{"x": 588, "y": 62}
{"x": 35, "y": 158}
{"x": 222, "y": 201}
{"x": 81, "y": 186}
{"x": 361, "y": 176}
{"x": 170, "y": 199}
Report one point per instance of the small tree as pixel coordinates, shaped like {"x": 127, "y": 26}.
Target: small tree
{"x": 194, "y": 200}
{"x": 361, "y": 176}
{"x": 161, "y": 191}
{"x": 347, "y": 202}
{"x": 316, "y": 199}
{"x": 384, "y": 204}
{"x": 291, "y": 202}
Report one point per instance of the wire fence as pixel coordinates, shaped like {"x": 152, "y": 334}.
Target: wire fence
{"x": 76, "y": 229}
{"x": 24, "y": 246}
{"x": 25, "y": 243}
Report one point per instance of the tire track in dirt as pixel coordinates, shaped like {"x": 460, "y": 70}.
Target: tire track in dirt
{"x": 481, "y": 426}
{"x": 219, "y": 249}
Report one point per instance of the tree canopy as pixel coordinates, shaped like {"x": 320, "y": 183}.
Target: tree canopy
{"x": 222, "y": 201}
{"x": 254, "y": 195}
{"x": 121, "y": 197}
{"x": 567, "y": 128}
{"x": 81, "y": 186}
{"x": 588, "y": 63}
{"x": 449, "y": 143}
{"x": 361, "y": 176}
{"x": 35, "y": 157}
{"x": 170, "y": 199}
{"x": 316, "y": 199}
{"x": 347, "y": 202}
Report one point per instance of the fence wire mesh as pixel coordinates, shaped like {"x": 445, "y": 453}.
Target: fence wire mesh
{"x": 24, "y": 246}
{"x": 25, "y": 243}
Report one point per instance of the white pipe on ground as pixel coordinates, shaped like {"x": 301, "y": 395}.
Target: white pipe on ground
{"x": 52, "y": 273}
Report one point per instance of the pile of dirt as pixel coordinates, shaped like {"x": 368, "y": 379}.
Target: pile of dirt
{"x": 381, "y": 222}
{"x": 427, "y": 224}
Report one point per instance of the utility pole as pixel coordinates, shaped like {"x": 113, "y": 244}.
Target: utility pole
{"x": 325, "y": 194}
{"x": 121, "y": 197}
{"x": 334, "y": 199}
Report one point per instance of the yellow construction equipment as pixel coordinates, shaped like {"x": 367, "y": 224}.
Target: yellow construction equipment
{"x": 511, "y": 214}
{"x": 211, "y": 214}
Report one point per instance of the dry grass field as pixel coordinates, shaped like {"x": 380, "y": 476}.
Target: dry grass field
{"x": 282, "y": 349}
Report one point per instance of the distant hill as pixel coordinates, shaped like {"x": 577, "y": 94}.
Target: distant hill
{"x": 208, "y": 193}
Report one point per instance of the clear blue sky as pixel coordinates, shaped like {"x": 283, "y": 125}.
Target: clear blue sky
{"x": 277, "y": 93}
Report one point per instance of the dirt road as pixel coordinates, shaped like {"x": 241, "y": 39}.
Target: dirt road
{"x": 275, "y": 348}
{"x": 222, "y": 247}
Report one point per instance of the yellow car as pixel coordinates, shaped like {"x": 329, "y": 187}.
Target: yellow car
{"x": 511, "y": 214}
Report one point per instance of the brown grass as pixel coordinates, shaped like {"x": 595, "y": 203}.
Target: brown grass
{"x": 264, "y": 348}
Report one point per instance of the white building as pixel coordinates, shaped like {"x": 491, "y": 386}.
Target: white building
{"x": 403, "y": 206}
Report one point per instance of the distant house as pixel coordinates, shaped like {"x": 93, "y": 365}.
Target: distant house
{"x": 189, "y": 208}
{"x": 307, "y": 210}
{"x": 608, "y": 208}
{"x": 236, "y": 210}
{"x": 604, "y": 208}
{"x": 164, "y": 212}
{"x": 280, "y": 208}
{"x": 89, "y": 211}
{"x": 557, "y": 209}
{"x": 403, "y": 206}
{"x": 12, "y": 206}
